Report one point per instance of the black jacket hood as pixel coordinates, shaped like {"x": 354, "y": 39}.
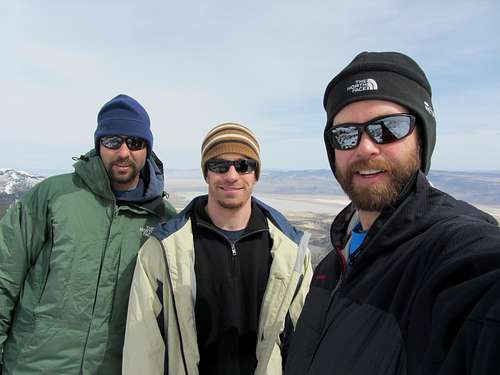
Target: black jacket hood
{"x": 420, "y": 207}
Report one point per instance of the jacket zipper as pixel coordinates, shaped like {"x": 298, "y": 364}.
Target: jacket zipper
{"x": 343, "y": 270}
{"x": 335, "y": 290}
{"x": 332, "y": 298}
{"x": 112, "y": 219}
{"x": 233, "y": 249}
{"x": 234, "y": 257}
{"x": 232, "y": 244}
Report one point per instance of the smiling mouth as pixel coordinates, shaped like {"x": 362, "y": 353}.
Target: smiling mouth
{"x": 370, "y": 172}
{"x": 230, "y": 188}
{"x": 122, "y": 168}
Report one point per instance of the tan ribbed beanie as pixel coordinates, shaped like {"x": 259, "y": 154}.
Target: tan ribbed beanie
{"x": 230, "y": 138}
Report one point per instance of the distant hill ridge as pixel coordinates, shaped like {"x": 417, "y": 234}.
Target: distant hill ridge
{"x": 14, "y": 182}
{"x": 475, "y": 187}
{"x": 482, "y": 188}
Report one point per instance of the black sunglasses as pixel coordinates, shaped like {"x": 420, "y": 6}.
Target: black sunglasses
{"x": 241, "y": 165}
{"x": 382, "y": 130}
{"x": 114, "y": 142}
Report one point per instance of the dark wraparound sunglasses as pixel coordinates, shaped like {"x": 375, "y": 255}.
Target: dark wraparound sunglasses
{"x": 114, "y": 142}
{"x": 382, "y": 130}
{"x": 241, "y": 165}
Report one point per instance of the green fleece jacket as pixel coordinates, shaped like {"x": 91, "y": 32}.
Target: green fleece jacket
{"x": 67, "y": 255}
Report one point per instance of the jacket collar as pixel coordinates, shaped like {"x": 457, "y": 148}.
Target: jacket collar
{"x": 257, "y": 221}
{"x": 90, "y": 169}
{"x": 281, "y": 223}
{"x": 340, "y": 229}
{"x": 419, "y": 207}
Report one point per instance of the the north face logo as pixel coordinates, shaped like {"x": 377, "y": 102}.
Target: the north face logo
{"x": 429, "y": 109}
{"x": 368, "y": 84}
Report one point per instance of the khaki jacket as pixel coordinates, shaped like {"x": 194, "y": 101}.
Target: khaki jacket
{"x": 161, "y": 327}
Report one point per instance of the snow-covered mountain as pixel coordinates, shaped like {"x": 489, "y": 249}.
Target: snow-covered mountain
{"x": 15, "y": 183}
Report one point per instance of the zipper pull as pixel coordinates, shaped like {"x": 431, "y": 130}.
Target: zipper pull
{"x": 233, "y": 249}
{"x": 353, "y": 258}
{"x": 337, "y": 287}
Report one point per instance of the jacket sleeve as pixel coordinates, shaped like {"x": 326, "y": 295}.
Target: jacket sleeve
{"x": 297, "y": 304}
{"x": 22, "y": 235}
{"x": 300, "y": 295}
{"x": 144, "y": 346}
{"x": 304, "y": 268}
{"x": 459, "y": 306}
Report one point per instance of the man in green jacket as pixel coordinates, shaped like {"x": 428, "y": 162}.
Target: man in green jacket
{"x": 68, "y": 250}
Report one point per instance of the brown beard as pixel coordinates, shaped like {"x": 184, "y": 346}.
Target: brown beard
{"x": 122, "y": 179}
{"x": 377, "y": 197}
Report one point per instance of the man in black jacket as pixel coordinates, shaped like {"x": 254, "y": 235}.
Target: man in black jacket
{"x": 413, "y": 283}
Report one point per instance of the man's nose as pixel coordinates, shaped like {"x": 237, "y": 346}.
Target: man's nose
{"x": 231, "y": 173}
{"x": 367, "y": 148}
{"x": 123, "y": 151}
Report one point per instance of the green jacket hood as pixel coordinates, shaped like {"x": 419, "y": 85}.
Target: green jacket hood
{"x": 90, "y": 169}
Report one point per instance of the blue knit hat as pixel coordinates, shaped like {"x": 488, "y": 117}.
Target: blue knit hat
{"x": 123, "y": 115}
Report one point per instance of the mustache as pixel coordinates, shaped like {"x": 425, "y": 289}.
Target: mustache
{"x": 123, "y": 161}
{"x": 370, "y": 164}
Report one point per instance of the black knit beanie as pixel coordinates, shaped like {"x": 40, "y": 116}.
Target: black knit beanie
{"x": 389, "y": 76}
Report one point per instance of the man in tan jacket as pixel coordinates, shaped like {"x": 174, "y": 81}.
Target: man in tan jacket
{"x": 219, "y": 288}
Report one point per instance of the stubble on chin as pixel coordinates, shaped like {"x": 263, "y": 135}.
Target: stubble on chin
{"x": 123, "y": 179}
{"x": 116, "y": 177}
{"x": 230, "y": 205}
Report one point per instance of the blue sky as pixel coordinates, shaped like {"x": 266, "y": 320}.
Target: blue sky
{"x": 264, "y": 64}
